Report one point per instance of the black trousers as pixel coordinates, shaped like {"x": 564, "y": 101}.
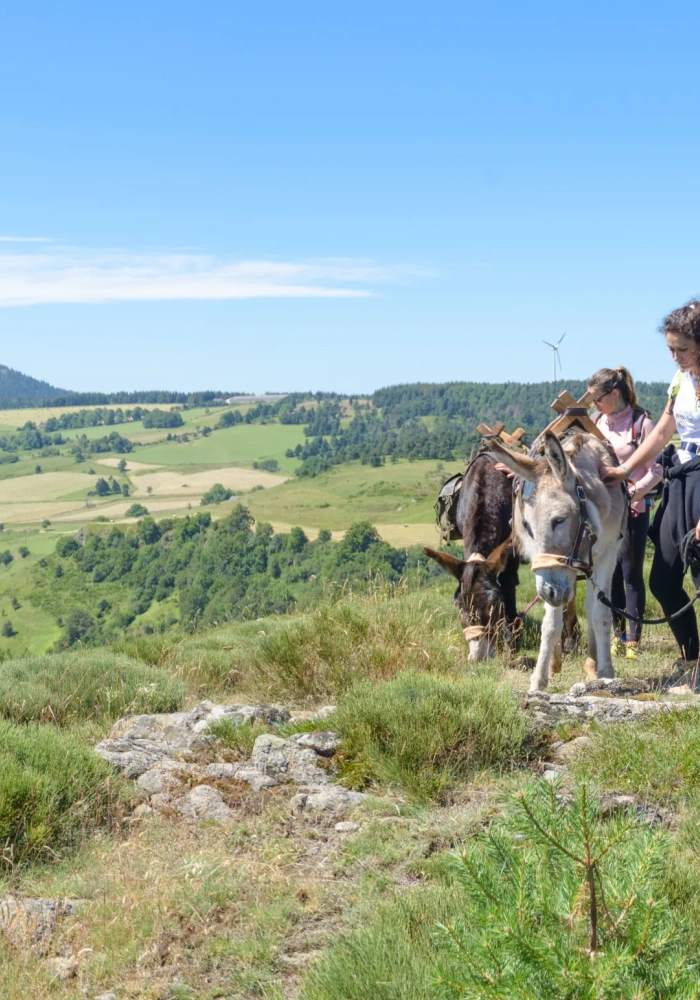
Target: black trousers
{"x": 628, "y": 590}
{"x": 666, "y": 583}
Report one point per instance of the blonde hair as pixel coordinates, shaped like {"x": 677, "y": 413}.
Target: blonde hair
{"x": 607, "y": 379}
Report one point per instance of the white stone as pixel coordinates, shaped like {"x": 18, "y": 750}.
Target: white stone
{"x": 346, "y": 826}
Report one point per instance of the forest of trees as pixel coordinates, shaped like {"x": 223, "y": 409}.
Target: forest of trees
{"x": 424, "y": 421}
{"x": 99, "y": 582}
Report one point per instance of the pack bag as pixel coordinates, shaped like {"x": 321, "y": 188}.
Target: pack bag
{"x": 446, "y": 509}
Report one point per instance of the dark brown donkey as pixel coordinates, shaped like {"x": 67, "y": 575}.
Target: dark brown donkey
{"x": 488, "y": 574}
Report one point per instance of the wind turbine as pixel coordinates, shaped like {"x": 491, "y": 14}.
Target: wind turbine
{"x": 555, "y": 356}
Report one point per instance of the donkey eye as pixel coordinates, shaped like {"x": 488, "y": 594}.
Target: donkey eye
{"x": 556, "y": 521}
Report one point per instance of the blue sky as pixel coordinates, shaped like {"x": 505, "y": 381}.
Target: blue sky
{"x": 341, "y": 196}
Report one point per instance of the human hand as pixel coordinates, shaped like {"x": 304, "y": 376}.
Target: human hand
{"x": 500, "y": 467}
{"x": 612, "y": 474}
{"x": 697, "y": 532}
{"x": 631, "y": 489}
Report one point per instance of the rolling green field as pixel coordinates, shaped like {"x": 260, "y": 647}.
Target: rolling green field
{"x": 239, "y": 445}
{"x": 393, "y": 494}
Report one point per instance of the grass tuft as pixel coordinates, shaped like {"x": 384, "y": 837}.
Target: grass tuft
{"x": 423, "y": 733}
{"x": 656, "y": 758}
{"x": 98, "y": 685}
{"x": 54, "y": 791}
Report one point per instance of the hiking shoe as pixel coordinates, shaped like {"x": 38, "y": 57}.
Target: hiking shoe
{"x": 632, "y": 651}
{"x": 618, "y": 647}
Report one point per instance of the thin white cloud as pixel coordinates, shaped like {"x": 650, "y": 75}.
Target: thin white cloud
{"x": 65, "y": 275}
{"x": 25, "y": 239}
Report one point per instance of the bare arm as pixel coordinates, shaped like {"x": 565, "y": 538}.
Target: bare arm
{"x": 655, "y": 442}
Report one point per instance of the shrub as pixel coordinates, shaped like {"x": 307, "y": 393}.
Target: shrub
{"x": 558, "y": 903}
{"x": 23, "y": 551}
{"x": 217, "y": 494}
{"x": 136, "y": 510}
{"x": 267, "y": 465}
{"x": 6, "y": 557}
{"x": 425, "y": 732}
{"x": 54, "y": 790}
{"x": 326, "y": 652}
{"x": 7, "y": 631}
{"x": 80, "y": 685}
{"x": 66, "y": 546}
{"x": 238, "y": 740}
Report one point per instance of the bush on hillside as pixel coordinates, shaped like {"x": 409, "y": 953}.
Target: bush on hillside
{"x": 162, "y": 418}
{"x": 424, "y": 732}
{"x": 217, "y": 494}
{"x": 226, "y": 570}
{"x": 136, "y": 510}
{"x": 267, "y": 465}
{"x": 54, "y": 791}
{"x": 97, "y": 684}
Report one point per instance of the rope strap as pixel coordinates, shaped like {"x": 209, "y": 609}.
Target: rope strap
{"x": 547, "y": 560}
{"x": 647, "y": 621}
{"x": 474, "y": 632}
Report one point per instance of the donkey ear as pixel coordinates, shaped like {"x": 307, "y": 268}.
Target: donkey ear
{"x": 555, "y": 455}
{"x": 522, "y": 465}
{"x": 499, "y": 557}
{"x": 449, "y": 563}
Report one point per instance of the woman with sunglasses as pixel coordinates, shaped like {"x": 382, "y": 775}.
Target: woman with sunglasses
{"x": 626, "y": 426}
{"x": 679, "y": 513}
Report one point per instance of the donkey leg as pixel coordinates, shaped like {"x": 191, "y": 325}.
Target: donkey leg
{"x": 551, "y": 634}
{"x": 600, "y": 627}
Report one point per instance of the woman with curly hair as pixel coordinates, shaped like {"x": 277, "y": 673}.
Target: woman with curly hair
{"x": 679, "y": 513}
{"x": 626, "y": 426}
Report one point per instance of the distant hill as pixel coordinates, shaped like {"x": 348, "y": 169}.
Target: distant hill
{"x": 17, "y": 389}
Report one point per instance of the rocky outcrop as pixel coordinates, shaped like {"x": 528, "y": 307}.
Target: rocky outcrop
{"x": 158, "y": 751}
{"x": 618, "y": 699}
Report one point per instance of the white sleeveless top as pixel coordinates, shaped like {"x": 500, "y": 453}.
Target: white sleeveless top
{"x": 686, "y": 410}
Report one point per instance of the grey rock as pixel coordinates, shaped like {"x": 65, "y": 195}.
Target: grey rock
{"x": 284, "y": 762}
{"x": 31, "y": 924}
{"x": 222, "y": 770}
{"x": 549, "y": 709}
{"x": 322, "y": 741}
{"x": 256, "y": 778}
{"x": 160, "y": 800}
{"x": 160, "y": 779}
{"x": 346, "y": 826}
{"x": 553, "y": 774}
{"x": 328, "y": 803}
{"x": 203, "y": 802}
{"x": 563, "y": 753}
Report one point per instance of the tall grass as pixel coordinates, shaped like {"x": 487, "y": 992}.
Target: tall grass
{"x": 656, "y": 758}
{"x": 391, "y": 956}
{"x": 63, "y": 688}
{"x": 54, "y": 790}
{"x": 424, "y": 732}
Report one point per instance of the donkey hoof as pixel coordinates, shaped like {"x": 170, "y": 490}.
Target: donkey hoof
{"x": 590, "y": 669}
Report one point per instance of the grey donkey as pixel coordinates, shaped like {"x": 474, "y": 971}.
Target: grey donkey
{"x": 546, "y": 525}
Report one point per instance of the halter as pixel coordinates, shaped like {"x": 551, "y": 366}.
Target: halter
{"x": 573, "y": 562}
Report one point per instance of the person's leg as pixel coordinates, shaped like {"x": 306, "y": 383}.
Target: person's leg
{"x": 632, "y": 563}
{"x": 617, "y": 596}
{"x": 666, "y": 583}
